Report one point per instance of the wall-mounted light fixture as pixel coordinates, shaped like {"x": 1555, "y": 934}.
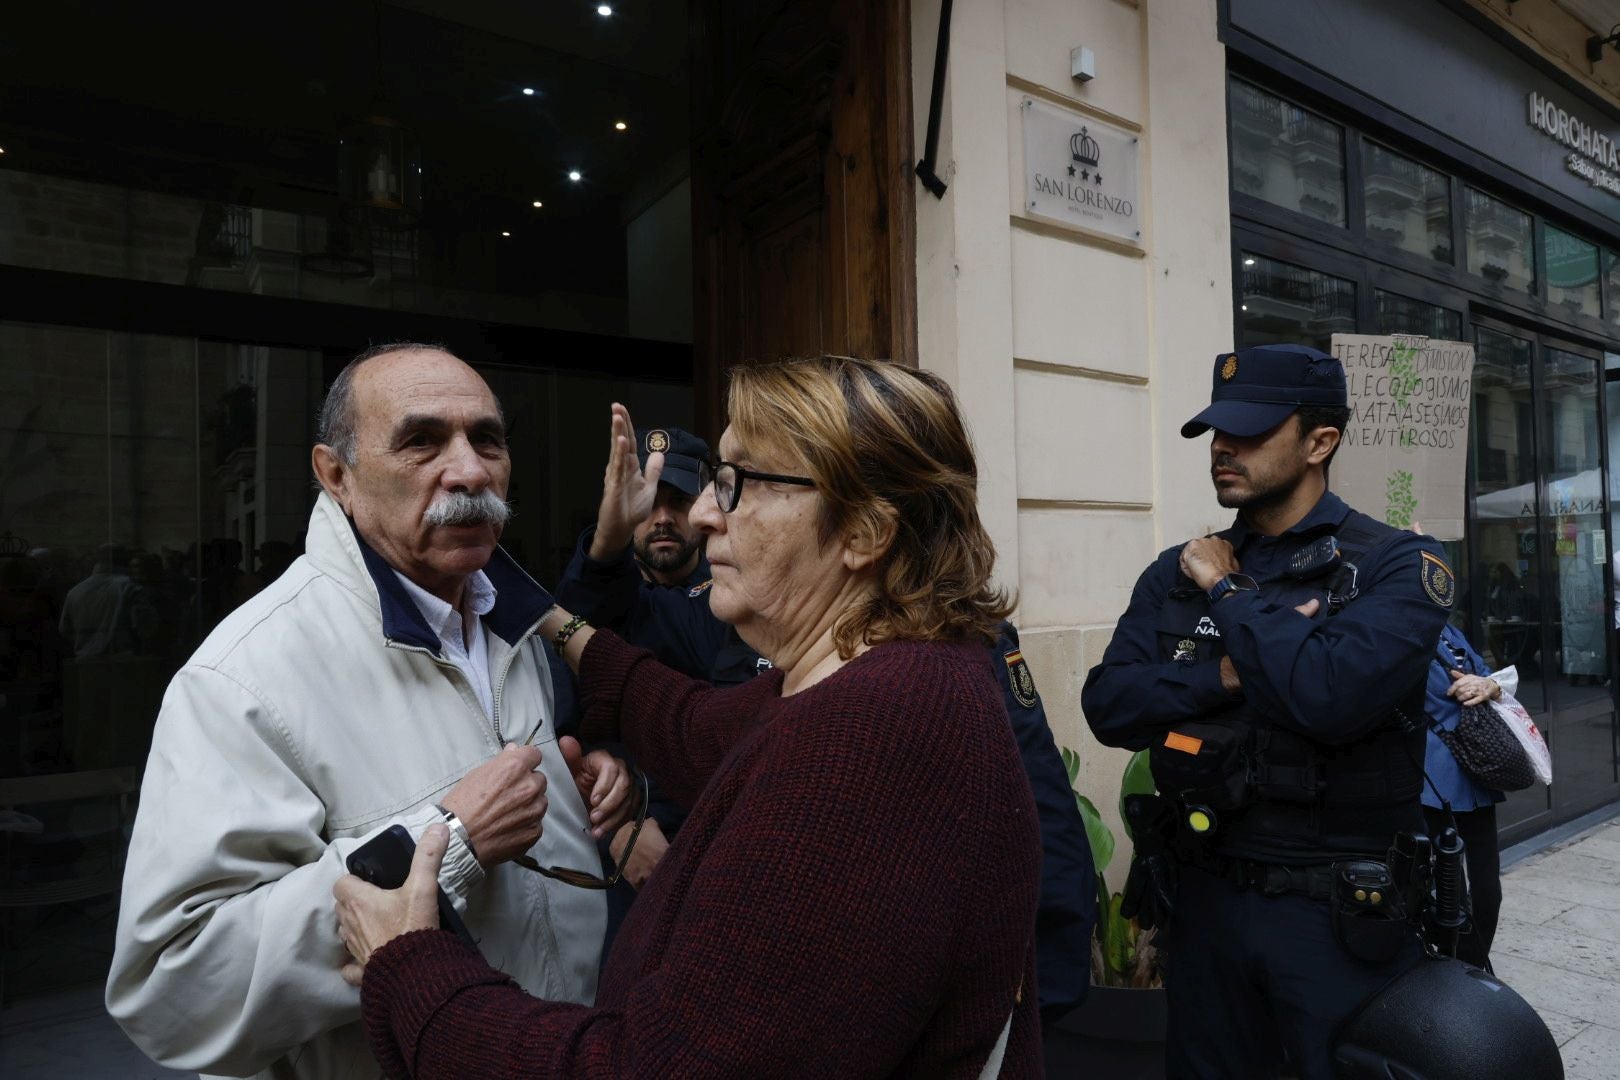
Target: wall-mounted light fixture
{"x": 1594, "y": 44}
{"x": 1082, "y": 64}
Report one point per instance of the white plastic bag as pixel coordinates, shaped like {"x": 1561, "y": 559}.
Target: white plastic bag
{"x": 1518, "y": 721}
{"x": 1507, "y": 679}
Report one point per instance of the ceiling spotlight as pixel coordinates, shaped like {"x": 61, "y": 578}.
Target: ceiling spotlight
{"x": 620, "y": 125}
{"x": 604, "y": 10}
{"x": 504, "y": 233}
{"x": 573, "y": 174}
{"x": 2, "y": 149}
{"x": 1248, "y": 261}
{"x": 537, "y": 204}
{"x": 528, "y": 91}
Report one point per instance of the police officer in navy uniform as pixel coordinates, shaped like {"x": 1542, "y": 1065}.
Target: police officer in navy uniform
{"x": 1276, "y": 672}
{"x": 676, "y": 625}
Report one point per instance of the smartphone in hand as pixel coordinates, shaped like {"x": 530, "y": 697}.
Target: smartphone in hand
{"x": 385, "y": 861}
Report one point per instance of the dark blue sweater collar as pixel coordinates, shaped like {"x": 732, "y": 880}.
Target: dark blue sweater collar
{"x": 519, "y": 600}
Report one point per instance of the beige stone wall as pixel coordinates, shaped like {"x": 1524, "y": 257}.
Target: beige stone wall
{"x": 1076, "y": 358}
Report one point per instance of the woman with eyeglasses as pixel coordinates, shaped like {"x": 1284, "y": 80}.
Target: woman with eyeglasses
{"x": 854, "y": 892}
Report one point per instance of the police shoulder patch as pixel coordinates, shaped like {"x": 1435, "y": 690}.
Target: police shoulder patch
{"x": 1022, "y": 682}
{"x": 1438, "y": 580}
{"x": 699, "y": 590}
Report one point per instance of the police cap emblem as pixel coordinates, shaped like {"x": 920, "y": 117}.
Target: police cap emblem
{"x": 1021, "y": 681}
{"x": 1438, "y": 580}
{"x": 657, "y": 441}
{"x": 1229, "y": 369}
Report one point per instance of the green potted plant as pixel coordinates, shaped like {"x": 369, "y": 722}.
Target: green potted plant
{"x": 1119, "y": 1030}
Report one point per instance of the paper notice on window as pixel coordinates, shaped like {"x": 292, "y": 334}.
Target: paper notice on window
{"x": 1404, "y": 457}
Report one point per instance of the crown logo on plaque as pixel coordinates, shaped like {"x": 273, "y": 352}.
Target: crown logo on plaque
{"x": 1083, "y": 148}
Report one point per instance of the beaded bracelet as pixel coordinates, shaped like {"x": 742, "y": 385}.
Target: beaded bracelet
{"x": 568, "y": 630}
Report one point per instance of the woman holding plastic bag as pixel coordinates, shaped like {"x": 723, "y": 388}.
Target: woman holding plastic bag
{"x": 1452, "y": 685}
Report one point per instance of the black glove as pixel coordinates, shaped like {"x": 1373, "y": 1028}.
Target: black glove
{"x": 1150, "y": 891}
{"x": 1150, "y": 887}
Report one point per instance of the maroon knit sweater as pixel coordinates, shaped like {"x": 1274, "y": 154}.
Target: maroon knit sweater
{"x": 853, "y": 894}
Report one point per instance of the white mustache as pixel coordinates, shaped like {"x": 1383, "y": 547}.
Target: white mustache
{"x": 460, "y": 508}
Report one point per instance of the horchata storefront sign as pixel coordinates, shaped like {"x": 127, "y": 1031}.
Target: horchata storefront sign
{"x": 1595, "y": 157}
{"x": 1080, "y": 171}
{"x": 1405, "y": 450}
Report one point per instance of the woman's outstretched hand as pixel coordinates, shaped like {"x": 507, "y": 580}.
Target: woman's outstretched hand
{"x": 604, "y": 783}
{"x": 369, "y": 917}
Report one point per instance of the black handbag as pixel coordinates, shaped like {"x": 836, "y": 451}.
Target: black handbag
{"x": 1486, "y": 749}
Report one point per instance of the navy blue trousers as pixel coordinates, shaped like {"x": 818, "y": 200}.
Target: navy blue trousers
{"x": 1252, "y": 976}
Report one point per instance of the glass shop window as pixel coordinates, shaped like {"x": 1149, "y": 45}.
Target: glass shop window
{"x": 1499, "y": 248}
{"x": 1408, "y": 203}
{"x": 1286, "y": 155}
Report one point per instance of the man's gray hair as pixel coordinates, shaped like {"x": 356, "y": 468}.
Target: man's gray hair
{"x": 337, "y": 423}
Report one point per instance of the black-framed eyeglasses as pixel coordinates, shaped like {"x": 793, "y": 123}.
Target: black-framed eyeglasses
{"x": 728, "y": 478}
{"x": 582, "y": 879}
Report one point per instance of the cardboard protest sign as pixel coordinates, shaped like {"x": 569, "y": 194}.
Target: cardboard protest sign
{"x": 1405, "y": 452}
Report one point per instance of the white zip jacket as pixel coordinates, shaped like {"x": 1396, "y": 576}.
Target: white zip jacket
{"x": 317, "y": 714}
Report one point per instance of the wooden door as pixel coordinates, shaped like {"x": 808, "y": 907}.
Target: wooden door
{"x": 802, "y": 193}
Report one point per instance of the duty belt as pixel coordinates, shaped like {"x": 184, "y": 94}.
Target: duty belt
{"x": 1274, "y": 879}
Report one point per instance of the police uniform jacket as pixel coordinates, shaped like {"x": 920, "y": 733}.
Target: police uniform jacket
{"x": 1335, "y": 682}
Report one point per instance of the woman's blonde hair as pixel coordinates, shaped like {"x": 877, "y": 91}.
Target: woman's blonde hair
{"x": 886, "y": 447}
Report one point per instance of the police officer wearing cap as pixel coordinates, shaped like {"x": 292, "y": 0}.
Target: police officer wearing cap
{"x": 677, "y": 626}
{"x": 624, "y": 572}
{"x": 1275, "y": 672}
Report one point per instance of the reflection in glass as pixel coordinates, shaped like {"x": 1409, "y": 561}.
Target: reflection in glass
{"x": 1283, "y": 303}
{"x": 1611, "y": 274}
{"x": 178, "y": 239}
{"x": 1576, "y": 518}
{"x": 1499, "y": 242}
{"x": 1399, "y": 314}
{"x": 1285, "y": 155}
{"x": 1505, "y": 494}
{"x": 1408, "y": 203}
{"x": 1572, "y": 271}
{"x": 1611, "y": 388}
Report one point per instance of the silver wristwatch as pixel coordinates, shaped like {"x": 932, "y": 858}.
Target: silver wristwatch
{"x": 457, "y": 826}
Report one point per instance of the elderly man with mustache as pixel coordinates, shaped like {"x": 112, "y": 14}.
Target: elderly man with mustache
{"x": 392, "y": 675}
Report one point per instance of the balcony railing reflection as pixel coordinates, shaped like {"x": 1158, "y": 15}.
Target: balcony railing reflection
{"x": 225, "y": 232}
{"x": 1278, "y": 283}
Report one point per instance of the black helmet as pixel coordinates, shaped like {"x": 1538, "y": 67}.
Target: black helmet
{"x": 1445, "y": 1020}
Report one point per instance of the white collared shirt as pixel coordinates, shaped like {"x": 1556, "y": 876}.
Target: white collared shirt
{"x": 462, "y": 636}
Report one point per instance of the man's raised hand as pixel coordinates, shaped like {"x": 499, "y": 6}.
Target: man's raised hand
{"x": 628, "y": 493}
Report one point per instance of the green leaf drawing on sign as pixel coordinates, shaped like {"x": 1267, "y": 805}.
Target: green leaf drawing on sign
{"x": 1400, "y": 503}
{"x": 1403, "y": 373}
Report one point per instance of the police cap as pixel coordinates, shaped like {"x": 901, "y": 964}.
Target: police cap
{"x": 684, "y": 455}
{"x": 1257, "y": 389}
